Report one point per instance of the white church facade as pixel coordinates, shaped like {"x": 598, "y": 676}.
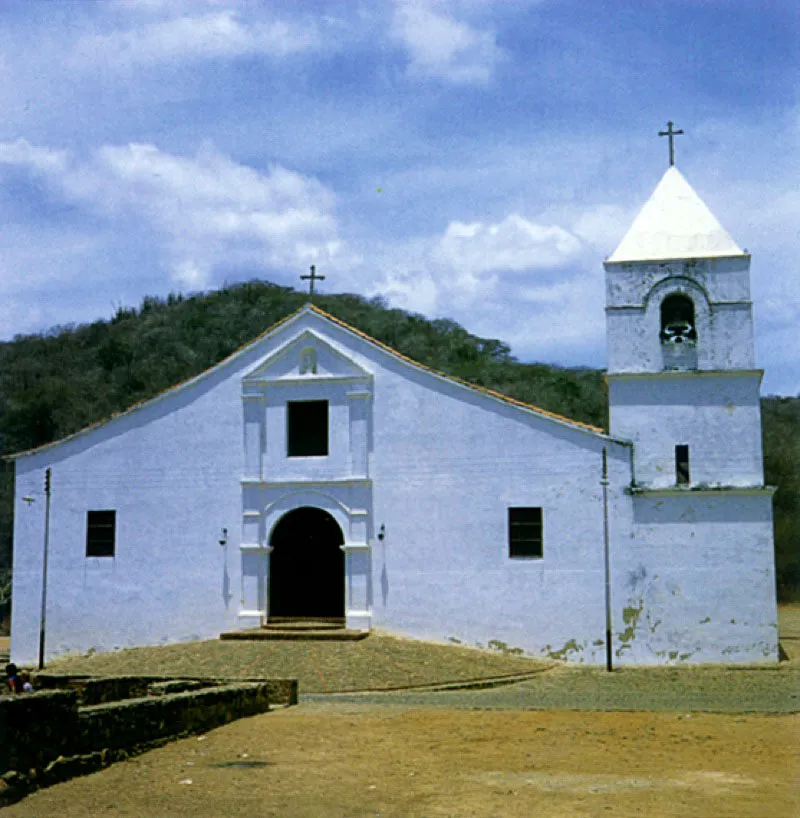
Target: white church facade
{"x": 318, "y": 473}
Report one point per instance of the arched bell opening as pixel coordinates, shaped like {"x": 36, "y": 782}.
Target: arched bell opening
{"x": 677, "y": 320}
{"x": 678, "y": 334}
{"x": 306, "y": 574}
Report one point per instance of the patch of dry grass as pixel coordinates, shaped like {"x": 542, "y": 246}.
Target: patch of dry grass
{"x": 382, "y": 662}
{"x": 377, "y": 663}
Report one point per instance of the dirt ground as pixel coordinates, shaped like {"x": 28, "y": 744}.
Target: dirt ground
{"x": 511, "y": 751}
{"x": 334, "y": 760}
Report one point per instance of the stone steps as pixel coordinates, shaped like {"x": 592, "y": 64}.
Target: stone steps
{"x": 310, "y": 624}
{"x": 308, "y": 629}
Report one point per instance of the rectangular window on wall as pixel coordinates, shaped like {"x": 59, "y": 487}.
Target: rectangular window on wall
{"x": 682, "y": 465}
{"x": 525, "y": 535}
{"x": 101, "y": 533}
{"x": 307, "y": 428}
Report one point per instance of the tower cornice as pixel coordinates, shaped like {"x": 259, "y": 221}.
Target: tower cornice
{"x": 685, "y": 374}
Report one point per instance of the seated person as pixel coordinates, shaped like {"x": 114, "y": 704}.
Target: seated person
{"x": 14, "y": 680}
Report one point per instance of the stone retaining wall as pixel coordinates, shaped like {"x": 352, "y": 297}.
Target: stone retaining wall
{"x": 46, "y": 737}
{"x": 36, "y": 728}
{"x": 99, "y": 689}
{"x": 96, "y": 690}
{"x": 116, "y": 725}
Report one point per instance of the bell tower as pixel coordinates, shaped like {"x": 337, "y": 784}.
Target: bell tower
{"x": 681, "y": 370}
{"x": 698, "y": 567}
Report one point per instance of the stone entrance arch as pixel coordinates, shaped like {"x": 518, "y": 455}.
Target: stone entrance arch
{"x": 306, "y": 572}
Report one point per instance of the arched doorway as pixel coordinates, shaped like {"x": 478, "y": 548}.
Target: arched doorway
{"x": 306, "y": 574}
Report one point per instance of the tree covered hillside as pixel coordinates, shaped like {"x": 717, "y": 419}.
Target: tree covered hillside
{"x": 54, "y": 384}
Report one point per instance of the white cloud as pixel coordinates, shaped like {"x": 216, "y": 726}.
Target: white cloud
{"x": 514, "y": 244}
{"x": 443, "y": 47}
{"x": 22, "y": 154}
{"x": 223, "y": 33}
{"x": 203, "y": 213}
{"x": 536, "y": 286}
{"x": 416, "y": 292}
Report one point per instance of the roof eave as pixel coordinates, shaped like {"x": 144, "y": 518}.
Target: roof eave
{"x": 310, "y": 307}
{"x": 161, "y": 395}
{"x": 483, "y": 391}
{"x": 611, "y": 261}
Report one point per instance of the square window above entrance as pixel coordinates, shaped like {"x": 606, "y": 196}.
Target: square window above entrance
{"x": 307, "y": 428}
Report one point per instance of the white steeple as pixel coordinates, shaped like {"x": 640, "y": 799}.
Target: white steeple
{"x": 681, "y": 367}
{"x": 674, "y": 224}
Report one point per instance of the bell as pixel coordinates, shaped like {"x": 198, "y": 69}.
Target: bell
{"x": 676, "y": 332}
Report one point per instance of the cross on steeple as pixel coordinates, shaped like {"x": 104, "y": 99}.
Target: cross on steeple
{"x": 671, "y": 134}
{"x": 311, "y": 279}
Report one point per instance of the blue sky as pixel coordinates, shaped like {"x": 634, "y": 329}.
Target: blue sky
{"x": 467, "y": 159}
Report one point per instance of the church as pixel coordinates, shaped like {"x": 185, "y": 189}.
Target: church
{"x": 317, "y": 473}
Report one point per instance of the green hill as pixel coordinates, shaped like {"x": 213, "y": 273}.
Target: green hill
{"x": 56, "y": 383}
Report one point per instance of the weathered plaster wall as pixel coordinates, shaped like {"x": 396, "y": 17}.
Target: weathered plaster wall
{"x": 697, "y": 581}
{"x": 435, "y": 464}
{"x": 446, "y": 465}
{"x": 718, "y": 415}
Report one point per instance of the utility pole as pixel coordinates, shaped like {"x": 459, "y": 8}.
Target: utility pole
{"x": 42, "y": 618}
{"x": 604, "y": 484}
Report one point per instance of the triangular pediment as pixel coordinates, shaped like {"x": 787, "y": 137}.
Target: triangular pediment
{"x": 306, "y": 356}
{"x": 674, "y": 224}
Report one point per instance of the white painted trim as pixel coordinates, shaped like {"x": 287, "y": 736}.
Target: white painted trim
{"x": 295, "y": 379}
{"x": 297, "y": 339}
{"x": 356, "y": 546}
{"x": 255, "y": 548}
{"x": 358, "y": 620}
{"x": 259, "y": 614}
{"x": 300, "y": 483}
{"x": 335, "y": 500}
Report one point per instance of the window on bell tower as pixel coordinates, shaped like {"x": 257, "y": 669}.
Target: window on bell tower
{"x": 682, "y": 477}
